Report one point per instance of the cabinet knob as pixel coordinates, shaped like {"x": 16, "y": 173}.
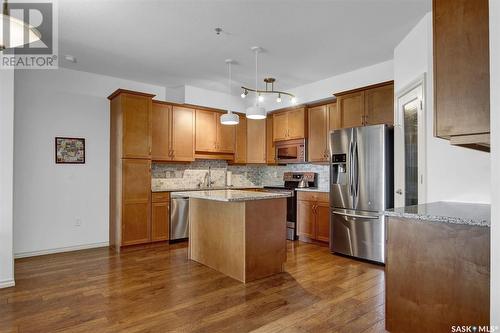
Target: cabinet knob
{"x": 399, "y": 191}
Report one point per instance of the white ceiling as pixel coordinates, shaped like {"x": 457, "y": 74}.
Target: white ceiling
{"x": 172, "y": 42}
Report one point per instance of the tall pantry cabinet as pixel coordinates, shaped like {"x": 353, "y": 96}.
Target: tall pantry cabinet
{"x": 130, "y": 168}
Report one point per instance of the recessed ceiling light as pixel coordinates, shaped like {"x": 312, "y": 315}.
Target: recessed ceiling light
{"x": 70, "y": 58}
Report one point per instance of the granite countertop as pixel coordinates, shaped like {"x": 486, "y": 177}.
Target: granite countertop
{"x": 447, "y": 212}
{"x": 155, "y": 189}
{"x": 231, "y": 195}
{"x": 314, "y": 189}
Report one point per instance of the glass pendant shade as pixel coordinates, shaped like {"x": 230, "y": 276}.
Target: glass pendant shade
{"x": 16, "y": 32}
{"x": 229, "y": 118}
{"x": 256, "y": 112}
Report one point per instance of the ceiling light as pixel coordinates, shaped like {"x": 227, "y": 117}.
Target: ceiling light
{"x": 229, "y": 118}
{"x": 278, "y": 100}
{"x": 293, "y": 100}
{"x": 256, "y": 111}
{"x": 16, "y": 31}
{"x": 261, "y": 98}
{"x": 244, "y": 94}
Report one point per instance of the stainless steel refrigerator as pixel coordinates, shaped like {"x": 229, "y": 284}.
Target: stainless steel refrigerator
{"x": 361, "y": 188}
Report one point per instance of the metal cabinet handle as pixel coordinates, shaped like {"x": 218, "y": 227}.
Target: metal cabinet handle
{"x": 399, "y": 191}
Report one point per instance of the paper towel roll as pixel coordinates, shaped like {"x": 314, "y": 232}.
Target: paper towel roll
{"x": 229, "y": 178}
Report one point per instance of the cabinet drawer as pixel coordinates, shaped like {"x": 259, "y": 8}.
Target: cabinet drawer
{"x": 161, "y": 196}
{"x": 313, "y": 196}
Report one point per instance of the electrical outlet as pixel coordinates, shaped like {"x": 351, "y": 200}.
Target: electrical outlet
{"x": 78, "y": 222}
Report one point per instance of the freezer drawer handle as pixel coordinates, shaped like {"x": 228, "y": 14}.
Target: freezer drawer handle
{"x": 356, "y": 215}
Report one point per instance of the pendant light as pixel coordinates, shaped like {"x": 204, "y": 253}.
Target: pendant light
{"x": 229, "y": 118}
{"x": 16, "y": 31}
{"x": 256, "y": 111}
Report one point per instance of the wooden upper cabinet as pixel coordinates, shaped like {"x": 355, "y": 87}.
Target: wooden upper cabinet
{"x": 160, "y": 149}
{"x": 289, "y": 125}
{"x": 318, "y": 133}
{"x": 256, "y": 141}
{"x": 211, "y": 135}
{"x": 225, "y": 136}
{"x": 136, "y": 194}
{"x": 370, "y": 105}
{"x": 270, "y": 148}
{"x": 379, "y": 105}
{"x": 352, "y": 109}
{"x": 240, "y": 151}
{"x": 136, "y": 113}
{"x": 206, "y": 131}
{"x": 182, "y": 137}
{"x": 296, "y": 124}
{"x": 172, "y": 133}
{"x": 280, "y": 126}
{"x": 461, "y": 72}
{"x": 335, "y": 121}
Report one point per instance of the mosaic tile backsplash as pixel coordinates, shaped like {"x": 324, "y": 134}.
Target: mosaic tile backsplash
{"x": 191, "y": 175}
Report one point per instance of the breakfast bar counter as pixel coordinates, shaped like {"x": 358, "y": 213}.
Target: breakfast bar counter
{"x": 241, "y": 234}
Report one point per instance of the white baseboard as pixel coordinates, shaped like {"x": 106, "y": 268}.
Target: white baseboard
{"x": 59, "y": 250}
{"x": 7, "y": 284}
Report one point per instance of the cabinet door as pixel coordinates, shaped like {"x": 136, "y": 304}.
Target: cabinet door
{"x": 160, "y": 216}
{"x": 296, "y": 124}
{"x": 280, "y": 126}
{"x": 136, "y": 126}
{"x": 379, "y": 105}
{"x": 270, "y": 149}
{"x": 351, "y": 108}
{"x": 305, "y": 219}
{"x": 256, "y": 141}
{"x": 206, "y": 130}
{"x": 160, "y": 132}
{"x": 322, "y": 221}
{"x": 136, "y": 187}
{"x": 183, "y": 125}
{"x": 461, "y": 67}
{"x": 318, "y": 133}
{"x": 225, "y": 136}
{"x": 334, "y": 117}
{"x": 240, "y": 153}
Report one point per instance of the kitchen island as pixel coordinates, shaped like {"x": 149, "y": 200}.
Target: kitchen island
{"x": 239, "y": 233}
{"x": 437, "y": 267}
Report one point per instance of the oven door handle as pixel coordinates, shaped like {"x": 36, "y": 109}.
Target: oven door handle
{"x": 336, "y": 212}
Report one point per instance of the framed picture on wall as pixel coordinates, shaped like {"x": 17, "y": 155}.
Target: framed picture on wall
{"x": 70, "y": 150}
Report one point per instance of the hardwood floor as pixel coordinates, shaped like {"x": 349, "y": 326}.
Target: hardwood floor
{"x": 154, "y": 289}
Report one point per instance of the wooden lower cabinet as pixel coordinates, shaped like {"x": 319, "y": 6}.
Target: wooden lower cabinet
{"x": 313, "y": 216}
{"x": 160, "y": 216}
{"x": 136, "y": 187}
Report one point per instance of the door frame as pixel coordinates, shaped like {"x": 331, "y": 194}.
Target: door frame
{"x": 402, "y": 97}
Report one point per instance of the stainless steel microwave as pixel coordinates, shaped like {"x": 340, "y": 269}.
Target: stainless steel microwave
{"x": 291, "y": 151}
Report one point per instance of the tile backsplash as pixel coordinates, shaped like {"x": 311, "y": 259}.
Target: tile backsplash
{"x": 190, "y": 175}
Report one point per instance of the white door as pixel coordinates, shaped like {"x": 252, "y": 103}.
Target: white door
{"x": 409, "y": 146}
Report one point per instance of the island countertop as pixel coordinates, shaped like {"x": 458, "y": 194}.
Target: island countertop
{"x": 231, "y": 195}
{"x": 447, "y": 212}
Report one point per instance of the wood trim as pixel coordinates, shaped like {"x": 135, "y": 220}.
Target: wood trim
{"x": 381, "y": 84}
{"x": 212, "y": 156}
{"x": 322, "y": 102}
{"x": 130, "y": 92}
{"x": 289, "y": 108}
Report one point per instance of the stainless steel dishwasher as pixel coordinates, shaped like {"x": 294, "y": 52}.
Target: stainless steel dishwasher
{"x": 179, "y": 218}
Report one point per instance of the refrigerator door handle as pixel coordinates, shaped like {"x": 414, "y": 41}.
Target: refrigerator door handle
{"x": 356, "y": 169}
{"x": 351, "y": 165}
{"x": 355, "y": 215}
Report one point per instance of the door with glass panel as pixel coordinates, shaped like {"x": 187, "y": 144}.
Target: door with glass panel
{"x": 409, "y": 146}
